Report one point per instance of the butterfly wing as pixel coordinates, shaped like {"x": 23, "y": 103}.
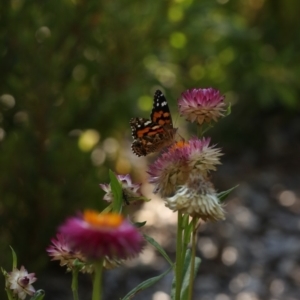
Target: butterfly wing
{"x": 146, "y": 135}
{"x": 160, "y": 112}
{"x": 154, "y": 134}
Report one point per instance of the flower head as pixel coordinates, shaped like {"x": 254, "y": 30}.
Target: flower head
{"x": 67, "y": 255}
{"x": 20, "y": 282}
{"x": 202, "y": 156}
{"x": 201, "y": 105}
{"x": 99, "y": 235}
{"x": 181, "y": 177}
{"x": 174, "y": 167}
{"x": 197, "y": 198}
{"x": 169, "y": 170}
{"x": 130, "y": 189}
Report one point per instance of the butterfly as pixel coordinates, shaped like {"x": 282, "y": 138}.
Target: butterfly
{"x": 154, "y": 134}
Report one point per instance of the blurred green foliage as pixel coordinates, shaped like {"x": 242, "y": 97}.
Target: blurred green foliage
{"x": 69, "y": 66}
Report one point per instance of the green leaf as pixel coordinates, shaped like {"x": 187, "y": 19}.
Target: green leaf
{"x": 187, "y": 274}
{"x": 223, "y": 195}
{"x": 159, "y": 248}
{"x": 78, "y": 264}
{"x": 107, "y": 209}
{"x": 140, "y": 198}
{"x": 139, "y": 224}
{"x": 187, "y": 234}
{"x": 38, "y": 295}
{"x": 14, "y": 256}
{"x": 116, "y": 189}
{"x": 145, "y": 284}
{"x": 173, "y": 289}
{"x": 228, "y": 111}
{"x": 3, "y": 272}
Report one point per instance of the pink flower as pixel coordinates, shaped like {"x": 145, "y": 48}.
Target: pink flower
{"x": 181, "y": 177}
{"x": 202, "y": 156}
{"x": 130, "y": 189}
{"x": 98, "y": 235}
{"x": 173, "y": 168}
{"x": 169, "y": 170}
{"x": 20, "y": 282}
{"x": 67, "y": 255}
{"x": 62, "y": 251}
{"x": 202, "y": 105}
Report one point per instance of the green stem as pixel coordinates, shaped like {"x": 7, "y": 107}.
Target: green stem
{"x": 74, "y": 285}
{"x": 193, "y": 256}
{"x": 199, "y": 131}
{"x": 179, "y": 261}
{"x": 9, "y": 294}
{"x": 97, "y": 282}
{"x": 186, "y": 235}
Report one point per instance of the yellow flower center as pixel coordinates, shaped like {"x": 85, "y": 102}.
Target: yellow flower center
{"x": 102, "y": 220}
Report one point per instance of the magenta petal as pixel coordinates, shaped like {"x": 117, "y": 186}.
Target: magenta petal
{"x": 96, "y": 242}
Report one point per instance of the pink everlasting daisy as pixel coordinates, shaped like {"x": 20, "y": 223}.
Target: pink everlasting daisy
{"x": 61, "y": 250}
{"x": 99, "y": 235}
{"x": 20, "y": 282}
{"x": 181, "y": 177}
{"x": 169, "y": 170}
{"x": 130, "y": 189}
{"x": 173, "y": 168}
{"x": 201, "y": 105}
{"x": 202, "y": 156}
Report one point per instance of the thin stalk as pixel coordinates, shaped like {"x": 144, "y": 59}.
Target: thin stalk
{"x": 186, "y": 235}
{"x": 97, "y": 282}
{"x": 179, "y": 261}
{"x": 9, "y": 294}
{"x": 193, "y": 256}
{"x": 199, "y": 131}
{"x": 74, "y": 285}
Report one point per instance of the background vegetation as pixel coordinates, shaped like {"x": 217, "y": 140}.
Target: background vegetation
{"x": 74, "y": 72}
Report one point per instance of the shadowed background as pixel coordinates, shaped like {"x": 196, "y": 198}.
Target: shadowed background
{"x": 74, "y": 72}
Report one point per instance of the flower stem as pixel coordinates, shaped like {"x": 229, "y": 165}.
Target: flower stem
{"x": 193, "y": 256}
{"x": 74, "y": 285}
{"x": 97, "y": 282}
{"x": 179, "y": 261}
{"x": 186, "y": 235}
{"x": 9, "y": 294}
